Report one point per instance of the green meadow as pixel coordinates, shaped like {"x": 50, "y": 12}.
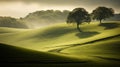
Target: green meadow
{"x": 61, "y": 44}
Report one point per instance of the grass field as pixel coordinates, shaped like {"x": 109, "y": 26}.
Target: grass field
{"x": 97, "y": 46}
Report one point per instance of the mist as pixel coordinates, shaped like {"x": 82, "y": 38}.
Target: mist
{"x": 30, "y": 13}
{"x": 45, "y": 17}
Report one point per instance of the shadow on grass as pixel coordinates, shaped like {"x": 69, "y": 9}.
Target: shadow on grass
{"x": 13, "y": 55}
{"x": 55, "y": 32}
{"x": 109, "y": 25}
{"x": 86, "y": 34}
{"x": 51, "y": 33}
{"x": 107, "y": 58}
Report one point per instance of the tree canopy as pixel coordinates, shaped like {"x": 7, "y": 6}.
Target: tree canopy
{"x": 101, "y": 13}
{"x": 78, "y": 16}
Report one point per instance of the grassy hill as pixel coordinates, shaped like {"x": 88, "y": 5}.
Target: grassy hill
{"x": 60, "y": 34}
{"x": 104, "y": 51}
{"x": 98, "y": 44}
{"x": 13, "y": 55}
{"x": 4, "y": 30}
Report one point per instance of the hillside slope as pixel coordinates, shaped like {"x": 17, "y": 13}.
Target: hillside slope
{"x": 60, "y": 34}
{"x": 4, "y": 30}
{"x": 98, "y": 45}
{"x": 13, "y": 55}
{"x": 104, "y": 51}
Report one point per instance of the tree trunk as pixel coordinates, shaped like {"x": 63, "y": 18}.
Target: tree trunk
{"x": 78, "y": 28}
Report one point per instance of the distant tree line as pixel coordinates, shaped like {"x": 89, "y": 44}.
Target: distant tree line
{"x": 46, "y": 17}
{"x": 56, "y": 16}
{"x": 11, "y": 22}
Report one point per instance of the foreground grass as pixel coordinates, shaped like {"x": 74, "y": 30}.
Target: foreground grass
{"x": 103, "y": 51}
{"x": 11, "y": 55}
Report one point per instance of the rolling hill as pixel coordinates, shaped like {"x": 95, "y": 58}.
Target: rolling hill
{"x": 11, "y": 55}
{"x": 98, "y": 45}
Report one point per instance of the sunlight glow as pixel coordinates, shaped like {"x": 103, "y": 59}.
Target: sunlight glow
{"x": 22, "y": 8}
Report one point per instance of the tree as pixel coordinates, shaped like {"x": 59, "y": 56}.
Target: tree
{"x": 78, "y": 16}
{"x": 101, "y": 13}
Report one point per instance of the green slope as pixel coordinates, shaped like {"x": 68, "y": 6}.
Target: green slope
{"x": 57, "y": 35}
{"x": 4, "y": 30}
{"x": 98, "y": 44}
{"x": 105, "y": 51}
{"x": 12, "y": 54}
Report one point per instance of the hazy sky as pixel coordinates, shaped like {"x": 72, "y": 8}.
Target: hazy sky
{"x": 20, "y": 8}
